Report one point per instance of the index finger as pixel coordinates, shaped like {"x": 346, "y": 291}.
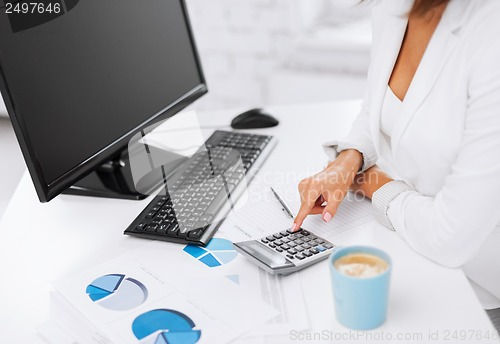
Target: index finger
{"x": 307, "y": 202}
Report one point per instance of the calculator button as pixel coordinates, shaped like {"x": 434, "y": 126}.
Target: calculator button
{"x": 292, "y": 244}
{"x": 299, "y": 241}
{"x": 285, "y": 240}
{"x": 299, "y": 256}
{"x": 285, "y": 233}
{"x": 307, "y": 239}
{"x": 307, "y": 253}
{"x": 264, "y": 241}
{"x": 279, "y": 249}
{"x": 320, "y": 248}
{"x": 327, "y": 245}
{"x": 272, "y": 245}
{"x": 304, "y": 232}
{"x": 299, "y": 249}
{"x": 314, "y": 251}
{"x": 278, "y": 236}
{"x": 278, "y": 242}
{"x": 285, "y": 247}
{"x": 270, "y": 238}
{"x": 306, "y": 246}
{"x": 290, "y": 256}
{"x": 298, "y": 236}
{"x": 292, "y": 251}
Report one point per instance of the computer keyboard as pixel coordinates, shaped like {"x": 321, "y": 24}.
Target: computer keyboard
{"x": 204, "y": 189}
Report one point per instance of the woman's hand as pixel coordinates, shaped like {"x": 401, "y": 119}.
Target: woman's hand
{"x": 370, "y": 181}
{"x": 323, "y": 192}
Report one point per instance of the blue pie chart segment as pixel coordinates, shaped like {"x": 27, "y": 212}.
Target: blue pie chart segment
{"x": 108, "y": 282}
{"x": 169, "y": 327}
{"x": 117, "y": 292}
{"x": 218, "y": 252}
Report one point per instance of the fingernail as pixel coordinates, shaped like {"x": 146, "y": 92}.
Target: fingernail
{"x": 327, "y": 217}
{"x": 294, "y": 226}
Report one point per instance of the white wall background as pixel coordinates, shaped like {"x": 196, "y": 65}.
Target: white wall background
{"x": 259, "y": 52}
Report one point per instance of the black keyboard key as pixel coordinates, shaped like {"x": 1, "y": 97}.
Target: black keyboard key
{"x": 183, "y": 232}
{"x": 272, "y": 245}
{"x": 270, "y": 238}
{"x": 265, "y": 241}
{"x": 278, "y": 236}
{"x": 314, "y": 251}
{"x": 285, "y": 233}
{"x": 307, "y": 254}
{"x": 162, "y": 229}
{"x": 172, "y": 231}
{"x": 304, "y": 232}
{"x": 151, "y": 228}
{"x": 285, "y": 247}
{"x": 290, "y": 256}
{"x": 140, "y": 227}
{"x": 196, "y": 234}
{"x": 299, "y": 256}
{"x": 279, "y": 249}
{"x": 292, "y": 251}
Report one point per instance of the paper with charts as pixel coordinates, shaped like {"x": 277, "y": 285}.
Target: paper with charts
{"x": 284, "y": 293}
{"x": 149, "y": 299}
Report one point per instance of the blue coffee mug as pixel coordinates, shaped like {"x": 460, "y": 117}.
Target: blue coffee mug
{"x": 360, "y": 303}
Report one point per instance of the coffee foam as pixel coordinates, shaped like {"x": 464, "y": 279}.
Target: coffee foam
{"x": 362, "y": 265}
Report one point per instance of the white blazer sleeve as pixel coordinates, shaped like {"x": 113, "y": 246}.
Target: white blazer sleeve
{"x": 450, "y": 227}
{"x": 359, "y": 137}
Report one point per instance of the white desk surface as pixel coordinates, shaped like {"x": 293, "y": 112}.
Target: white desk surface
{"x": 41, "y": 243}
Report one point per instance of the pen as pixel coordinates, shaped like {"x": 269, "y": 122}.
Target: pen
{"x": 283, "y": 203}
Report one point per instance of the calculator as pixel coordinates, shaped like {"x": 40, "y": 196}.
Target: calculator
{"x": 286, "y": 252}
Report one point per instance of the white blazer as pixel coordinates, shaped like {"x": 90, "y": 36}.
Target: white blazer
{"x": 446, "y": 141}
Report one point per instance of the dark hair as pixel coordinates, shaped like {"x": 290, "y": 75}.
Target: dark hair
{"x": 421, "y": 7}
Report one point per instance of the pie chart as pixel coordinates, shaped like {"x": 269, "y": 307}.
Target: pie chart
{"x": 117, "y": 292}
{"x": 165, "y": 326}
{"x": 216, "y": 253}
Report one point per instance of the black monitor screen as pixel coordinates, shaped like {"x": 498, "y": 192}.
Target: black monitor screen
{"x": 83, "y": 77}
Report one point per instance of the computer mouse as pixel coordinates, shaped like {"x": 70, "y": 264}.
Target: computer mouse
{"x": 254, "y": 119}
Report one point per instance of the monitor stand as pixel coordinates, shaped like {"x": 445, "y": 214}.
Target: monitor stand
{"x": 115, "y": 179}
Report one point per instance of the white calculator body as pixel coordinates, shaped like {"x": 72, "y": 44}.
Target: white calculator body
{"x": 285, "y": 252}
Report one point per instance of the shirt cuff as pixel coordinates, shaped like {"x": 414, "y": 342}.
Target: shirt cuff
{"x": 382, "y": 198}
{"x": 364, "y": 146}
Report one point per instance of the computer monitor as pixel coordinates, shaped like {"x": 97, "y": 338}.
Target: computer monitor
{"x": 80, "y": 78}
